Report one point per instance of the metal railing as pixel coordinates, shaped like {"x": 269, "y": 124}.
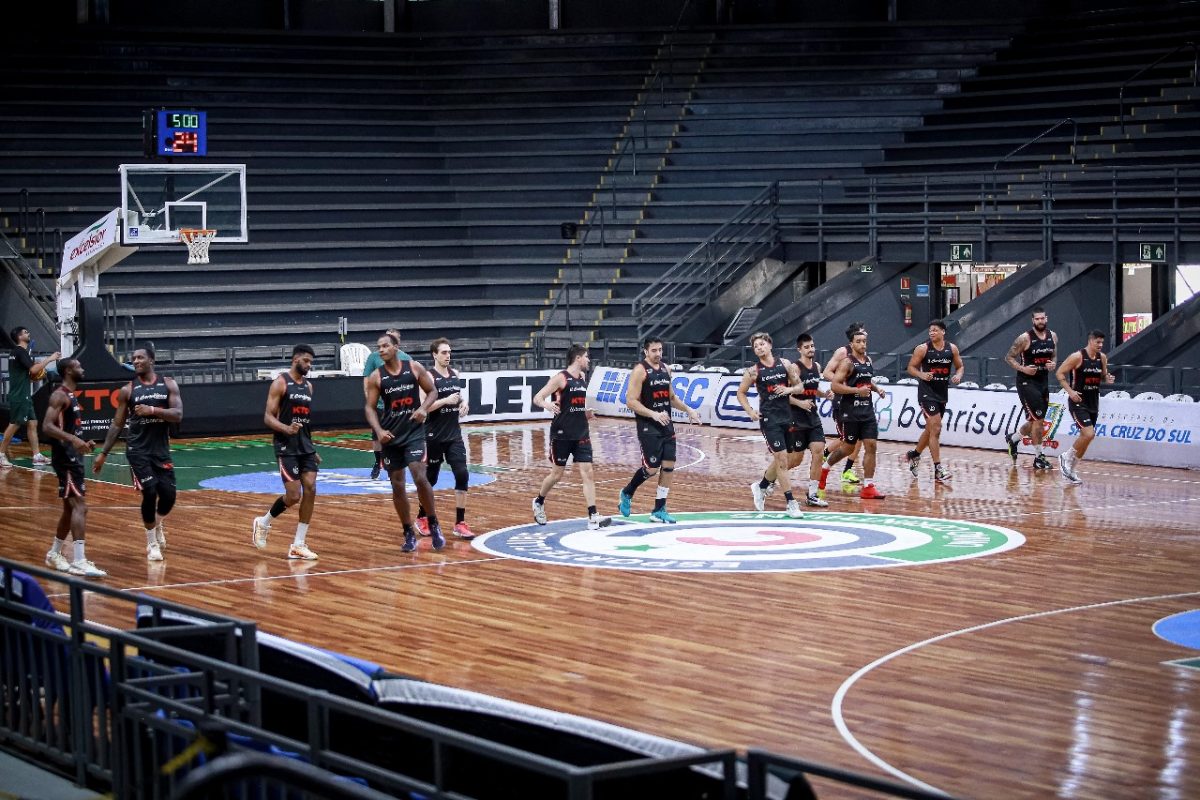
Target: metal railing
{"x": 1150, "y": 66}
{"x": 1035, "y": 139}
{"x": 760, "y": 765}
{"x": 35, "y": 284}
{"x": 698, "y": 277}
{"x": 564, "y": 292}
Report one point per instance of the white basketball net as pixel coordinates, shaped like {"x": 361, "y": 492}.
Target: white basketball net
{"x": 197, "y": 243}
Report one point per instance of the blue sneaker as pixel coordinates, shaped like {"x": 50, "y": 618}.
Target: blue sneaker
{"x": 435, "y": 535}
{"x": 661, "y": 515}
{"x": 410, "y": 542}
{"x": 625, "y": 504}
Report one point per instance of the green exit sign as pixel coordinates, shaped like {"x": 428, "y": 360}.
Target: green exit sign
{"x": 962, "y": 252}
{"x": 1153, "y": 252}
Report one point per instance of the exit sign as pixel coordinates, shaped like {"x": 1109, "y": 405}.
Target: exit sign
{"x": 962, "y": 252}
{"x": 1154, "y": 252}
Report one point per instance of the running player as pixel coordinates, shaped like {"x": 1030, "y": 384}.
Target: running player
{"x": 63, "y": 425}
{"x": 443, "y": 438}
{"x": 931, "y": 364}
{"x": 809, "y": 433}
{"x": 370, "y": 367}
{"x": 835, "y": 361}
{"x": 1032, "y": 356}
{"x": 651, "y": 398}
{"x": 856, "y": 414}
{"x": 569, "y": 436}
{"x": 289, "y": 416}
{"x": 1081, "y": 374}
{"x": 156, "y": 406}
{"x": 401, "y": 433}
{"x": 776, "y": 380}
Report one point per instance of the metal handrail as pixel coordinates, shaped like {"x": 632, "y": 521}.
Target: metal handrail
{"x": 1047, "y": 132}
{"x": 1150, "y": 66}
{"x": 628, "y": 145}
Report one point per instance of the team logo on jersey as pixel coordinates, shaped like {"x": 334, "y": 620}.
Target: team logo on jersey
{"x": 750, "y": 541}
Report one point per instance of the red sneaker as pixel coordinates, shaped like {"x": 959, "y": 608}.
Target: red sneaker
{"x": 423, "y": 526}
{"x": 871, "y": 493}
{"x": 463, "y": 531}
{"x": 824, "y": 476}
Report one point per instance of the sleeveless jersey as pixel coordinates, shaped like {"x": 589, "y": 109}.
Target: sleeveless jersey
{"x": 656, "y": 396}
{"x": 1086, "y": 379}
{"x": 149, "y": 436}
{"x": 810, "y": 379}
{"x": 296, "y": 406}
{"x": 401, "y": 396}
{"x": 938, "y": 363}
{"x": 571, "y": 420}
{"x": 768, "y": 382}
{"x": 853, "y": 406}
{"x": 70, "y": 419}
{"x": 1039, "y": 353}
{"x": 442, "y": 425}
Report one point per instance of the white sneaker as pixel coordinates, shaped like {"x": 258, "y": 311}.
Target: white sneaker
{"x": 793, "y": 509}
{"x": 153, "y": 553}
{"x": 57, "y": 561}
{"x": 300, "y": 552}
{"x": 86, "y": 569}
{"x": 4, "y": 462}
{"x": 40, "y": 459}
{"x": 1064, "y": 465}
{"x": 160, "y": 536}
{"x": 539, "y": 512}
{"x": 815, "y": 501}
{"x": 259, "y": 533}
{"x": 595, "y": 522}
{"x": 760, "y": 497}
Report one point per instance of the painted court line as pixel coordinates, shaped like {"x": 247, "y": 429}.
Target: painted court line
{"x": 840, "y": 696}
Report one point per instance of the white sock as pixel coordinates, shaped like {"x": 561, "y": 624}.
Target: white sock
{"x": 1039, "y": 449}
{"x": 301, "y": 532}
{"x": 662, "y": 492}
{"x": 814, "y": 487}
{"x": 158, "y": 521}
{"x": 265, "y": 520}
{"x": 151, "y": 535}
{"x": 57, "y": 546}
{"x": 869, "y": 482}
{"x": 79, "y": 554}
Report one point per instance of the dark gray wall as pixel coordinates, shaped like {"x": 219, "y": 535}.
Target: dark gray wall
{"x": 18, "y": 308}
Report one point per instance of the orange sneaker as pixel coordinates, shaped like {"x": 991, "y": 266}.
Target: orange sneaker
{"x": 871, "y": 493}
{"x": 463, "y": 531}
{"x": 423, "y": 526}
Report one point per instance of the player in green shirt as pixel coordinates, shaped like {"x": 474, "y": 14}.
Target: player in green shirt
{"x": 22, "y": 371}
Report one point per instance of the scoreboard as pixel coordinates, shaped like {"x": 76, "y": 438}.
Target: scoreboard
{"x": 176, "y": 133}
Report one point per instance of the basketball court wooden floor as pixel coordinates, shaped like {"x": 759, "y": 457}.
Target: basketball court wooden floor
{"x": 1031, "y": 671}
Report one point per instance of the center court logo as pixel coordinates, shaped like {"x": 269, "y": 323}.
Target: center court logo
{"x": 749, "y": 541}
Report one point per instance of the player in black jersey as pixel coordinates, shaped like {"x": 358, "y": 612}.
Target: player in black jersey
{"x": 156, "y": 405}
{"x": 569, "y": 436}
{"x": 852, "y": 382}
{"x": 1081, "y": 375}
{"x": 809, "y": 431}
{"x": 63, "y": 425}
{"x": 443, "y": 437}
{"x": 776, "y": 380}
{"x": 401, "y": 432}
{"x": 651, "y": 398}
{"x": 937, "y": 364}
{"x": 1032, "y": 355}
{"x": 289, "y": 416}
{"x": 835, "y": 361}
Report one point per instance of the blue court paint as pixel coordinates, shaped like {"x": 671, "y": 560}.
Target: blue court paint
{"x": 1182, "y": 629}
{"x": 347, "y": 480}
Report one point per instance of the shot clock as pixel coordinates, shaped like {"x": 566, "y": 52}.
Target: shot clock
{"x": 181, "y": 134}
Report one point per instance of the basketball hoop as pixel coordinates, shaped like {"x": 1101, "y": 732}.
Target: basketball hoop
{"x": 197, "y": 240}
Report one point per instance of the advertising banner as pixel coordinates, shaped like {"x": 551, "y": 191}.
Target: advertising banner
{"x": 1137, "y": 432}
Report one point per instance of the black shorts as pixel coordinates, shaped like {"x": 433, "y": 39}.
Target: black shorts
{"x": 148, "y": 473}
{"x": 1084, "y": 416}
{"x": 292, "y": 467}
{"x": 70, "y": 477}
{"x": 806, "y": 437}
{"x": 780, "y": 436}
{"x": 399, "y": 453}
{"x": 853, "y": 430}
{"x": 930, "y": 402}
{"x": 1035, "y": 399}
{"x": 657, "y": 443}
{"x": 563, "y": 449}
{"x": 453, "y": 452}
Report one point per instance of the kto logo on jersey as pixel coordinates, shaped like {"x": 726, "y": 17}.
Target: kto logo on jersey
{"x": 749, "y": 541}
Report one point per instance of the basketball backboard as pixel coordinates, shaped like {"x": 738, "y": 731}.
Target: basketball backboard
{"x": 157, "y": 200}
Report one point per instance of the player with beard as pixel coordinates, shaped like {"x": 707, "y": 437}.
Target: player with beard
{"x": 1081, "y": 375}
{"x": 936, "y": 364}
{"x": 1032, "y": 355}
{"x": 289, "y": 416}
{"x": 156, "y": 405}
{"x": 848, "y": 476}
{"x": 856, "y": 415}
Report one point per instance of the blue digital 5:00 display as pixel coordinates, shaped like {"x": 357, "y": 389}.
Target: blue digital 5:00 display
{"x": 182, "y": 133}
